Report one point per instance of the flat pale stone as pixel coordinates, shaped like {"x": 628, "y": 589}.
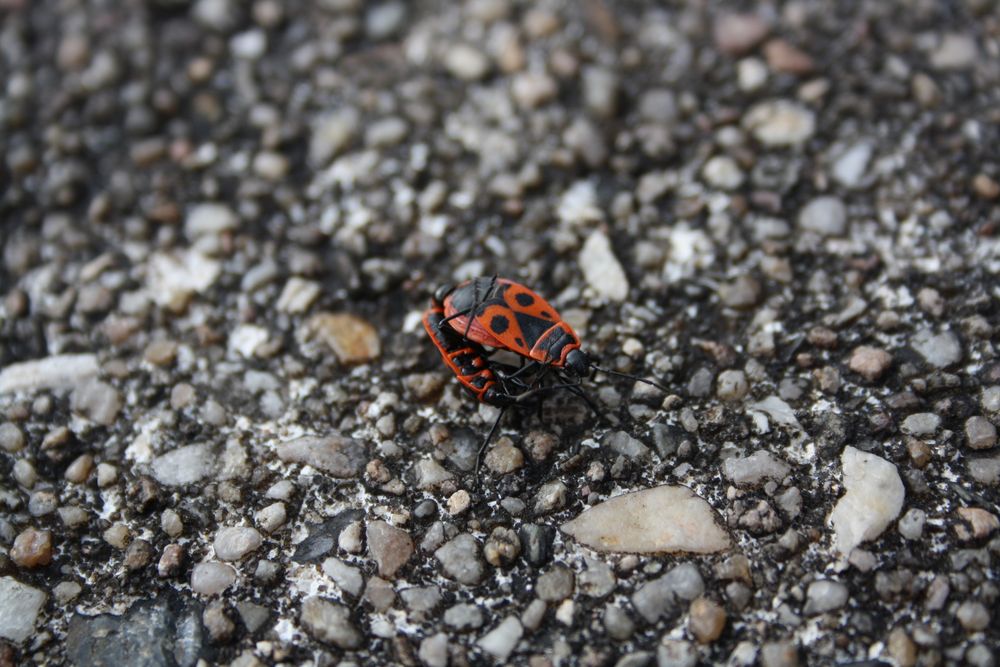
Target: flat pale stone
{"x": 184, "y": 465}
{"x": 58, "y": 371}
{"x": 601, "y": 269}
{"x": 665, "y": 519}
{"x": 19, "y": 610}
{"x": 873, "y": 500}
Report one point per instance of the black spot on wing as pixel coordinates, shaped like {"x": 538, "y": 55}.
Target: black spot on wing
{"x": 499, "y": 324}
{"x": 524, "y": 299}
{"x": 532, "y": 327}
{"x": 520, "y": 343}
{"x": 546, "y": 315}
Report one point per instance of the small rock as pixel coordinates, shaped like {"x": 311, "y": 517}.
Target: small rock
{"x": 533, "y": 89}
{"x": 79, "y": 470}
{"x": 352, "y": 339}
{"x": 11, "y": 438}
{"x": 850, "y": 166}
{"x": 272, "y": 517}
{"x": 601, "y": 269}
{"x": 466, "y": 62}
{"x": 869, "y": 362}
{"x": 736, "y": 34}
{"x": 911, "y": 524}
{"x": 597, "y": 580}
{"x": 873, "y": 499}
{"x": 463, "y": 617}
{"x": 536, "y": 542}
{"x": 429, "y": 474}
{"x": 211, "y": 578}
{"x": 540, "y": 445}
{"x": 297, "y": 295}
{"x": 825, "y": 595}
{"x": 921, "y": 424}
{"x": 184, "y": 465}
{"x": 32, "y": 548}
{"x": 600, "y": 91}
{"x": 504, "y": 458}
{"x": 65, "y": 592}
{"x": 380, "y": 594}
{"x": 973, "y": 615}
{"x": 502, "y": 547}
{"x": 209, "y": 219}
{"x": 826, "y": 216}
{"x": 783, "y": 56}
{"x": 332, "y": 134}
{"x": 216, "y": 620}
{"x": 985, "y": 187}
{"x": 137, "y": 555}
{"x": 939, "y": 350}
{"x": 755, "y": 469}
{"x": 706, "y": 620}
{"x": 55, "y": 372}
{"x": 980, "y": 433}
{"x": 617, "y": 622}
{"x": 622, "y": 443}
{"x": 20, "y": 609}
{"x": 658, "y": 597}
{"x": 722, "y": 172}
{"x": 349, "y": 579}
{"x": 335, "y": 455}
{"x": 329, "y": 623}
{"x": 501, "y": 640}
{"x": 117, "y": 535}
{"x": 555, "y": 585}
{"x": 981, "y": 523}
{"x": 161, "y": 353}
{"x": 170, "y": 523}
{"x": 551, "y": 497}
{"x": 97, "y": 401}
{"x": 458, "y": 502}
{"x": 751, "y": 74}
{"x": 433, "y": 650}
{"x": 779, "y": 654}
{"x": 956, "y": 51}
{"x": 234, "y": 542}
{"x": 391, "y": 547}
{"x": 170, "y": 561}
{"x": 659, "y": 520}
{"x": 421, "y": 599}
{"x": 460, "y": 561}
{"x": 780, "y": 123}
{"x": 731, "y": 385}
{"x": 270, "y": 165}
{"x": 386, "y": 132}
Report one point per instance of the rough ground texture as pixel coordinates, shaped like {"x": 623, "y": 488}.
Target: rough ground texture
{"x": 233, "y": 441}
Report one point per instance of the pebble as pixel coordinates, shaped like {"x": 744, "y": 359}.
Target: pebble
{"x": 873, "y": 499}
{"x": 826, "y": 216}
{"x": 533, "y": 89}
{"x": 825, "y": 595}
{"x": 731, "y": 385}
{"x": 117, "y": 535}
{"x": 973, "y": 615}
{"x": 921, "y": 424}
{"x": 385, "y": 19}
{"x": 161, "y": 353}
{"x": 234, "y": 542}
{"x": 79, "y": 470}
{"x": 217, "y": 622}
{"x": 466, "y": 62}
{"x": 980, "y": 433}
{"x": 41, "y": 503}
{"x": 664, "y": 519}
{"x": 209, "y": 219}
{"x": 421, "y": 599}
{"x": 501, "y": 640}
{"x": 330, "y": 623}
{"x": 184, "y": 465}
{"x": 600, "y": 91}
{"x": 463, "y": 616}
{"x": 753, "y": 470}
{"x": 502, "y": 547}
{"x": 331, "y": 134}
{"x": 219, "y": 15}
{"x": 780, "y": 123}
{"x": 460, "y": 560}
{"x": 386, "y": 132}
{"x": 26, "y": 475}
{"x": 911, "y": 524}
{"x": 622, "y": 443}
{"x": 65, "y": 592}
{"x": 504, "y": 458}
{"x": 849, "y": 167}
{"x": 272, "y": 517}
{"x": 706, "y": 620}
{"x": 170, "y": 561}
{"x": 722, "y": 172}
{"x": 742, "y": 293}
{"x": 541, "y": 444}
{"x": 55, "y": 372}
{"x": 736, "y": 34}
{"x": 211, "y": 578}
{"x": 657, "y": 597}
{"x": 298, "y": 295}
{"x": 597, "y": 580}
{"x": 985, "y": 187}
{"x": 783, "y": 56}
{"x": 555, "y": 585}
{"x": 869, "y": 362}
{"x": 458, "y": 502}
{"x": 429, "y": 474}
{"x": 249, "y": 45}
{"x": 550, "y": 497}
{"x": 335, "y": 455}
{"x": 349, "y": 579}
{"x": 779, "y": 654}
{"x": 939, "y": 350}
{"x": 138, "y": 554}
{"x": 956, "y": 51}
{"x": 97, "y": 401}
{"x": 433, "y": 651}
{"x": 380, "y": 594}
{"x": 11, "y": 438}
{"x": 389, "y": 546}
{"x": 617, "y": 622}
{"x": 676, "y": 653}
{"x": 352, "y": 339}
{"x": 985, "y": 471}
{"x": 981, "y": 523}
{"x": 601, "y": 269}
{"x": 20, "y": 609}
{"x": 32, "y": 548}
{"x": 174, "y": 278}
{"x": 171, "y": 523}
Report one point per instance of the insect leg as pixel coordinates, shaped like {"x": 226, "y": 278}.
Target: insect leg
{"x": 489, "y": 436}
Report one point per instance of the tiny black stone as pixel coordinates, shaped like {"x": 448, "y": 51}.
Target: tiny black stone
{"x": 524, "y": 299}
{"x": 499, "y": 324}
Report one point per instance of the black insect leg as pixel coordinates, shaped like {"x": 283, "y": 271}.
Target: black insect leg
{"x": 489, "y": 436}
{"x": 476, "y": 302}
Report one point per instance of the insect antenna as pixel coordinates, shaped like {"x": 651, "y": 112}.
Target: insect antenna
{"x": 653, "y": 383}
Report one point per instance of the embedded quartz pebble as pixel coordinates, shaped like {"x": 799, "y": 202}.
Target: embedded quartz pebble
{"x": 665, "y": 519}
{"x": 873, "y": 500}
{"x": 55, "y": 372}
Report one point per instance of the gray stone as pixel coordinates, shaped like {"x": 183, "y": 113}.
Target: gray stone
{"x": 235, "y": 542}
{"x": 780, "y": 123}
{"x": 460, "y": 560}
{"x": 980, "y": 433}
{"x": 55, "y": 372}
{"x": 97, "y": 401}
{"x": 661, "y": 596}
{"x": 911, "y": 524}
{"x": 421, "y": 598}
{"x": 211, "y": 578}
{"x": 601, "y": 269}
{"x": 731, "y": 385}
{"x": 873, "y": 499}
{"x": 501, "y": 640}
{"x": 433, "y": 650}
{"x": 391, "y": 547}
{"x": 11, "y": 438}
{"x": 755, "y": 469}
{"x": 825, "y": 595}
{"x": 349, "y": 579}
{"x": 826, "y": 216}
{"x": 330, "y": 623}
{"x": 464, "y": 616}
{"x": 622, "y": 443}
{"x": 335, "y": 455}
{"x": 184, "y": 465}
{"x": 617, "y": 622}
{"x": 20, "y": 609}
{"x": 676, "y": 653}
{"x": 849, "y": 167}
{"x": 939, "y": 350}
{"x": 597, "y": 580}
{"x": 332, "y": 134}
{"x": 555, "y": 585}
{"x": 921, "y": 424}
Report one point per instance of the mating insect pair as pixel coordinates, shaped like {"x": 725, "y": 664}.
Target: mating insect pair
{"x": 464, "y": 320}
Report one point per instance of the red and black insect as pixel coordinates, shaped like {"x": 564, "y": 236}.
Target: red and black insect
{"x": 501, "y": 313}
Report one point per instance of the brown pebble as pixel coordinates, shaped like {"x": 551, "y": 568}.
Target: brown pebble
{"x": 823, "y": 337}
{"x": 540, "y": 445}
{"x": 353, "y": 339}
{"x": 32, "y": 548}
{"x": 869, "y": 362}
{"x": 706, "y": 620}
{"x": 79, "y": 470}
{"x": 919, "y": 451}
{"x": 980, "y": 523}
{"x": 986, "y": 187}
{"x": 170, "y": 560}
{"x": 138, "y": 554}
{"x": 901, "y": 648}
{"x": 783, "y": 56}
{"x": 161, "y": 353}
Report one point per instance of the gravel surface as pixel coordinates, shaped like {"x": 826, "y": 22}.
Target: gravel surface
{"x": 225, "y": 437}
